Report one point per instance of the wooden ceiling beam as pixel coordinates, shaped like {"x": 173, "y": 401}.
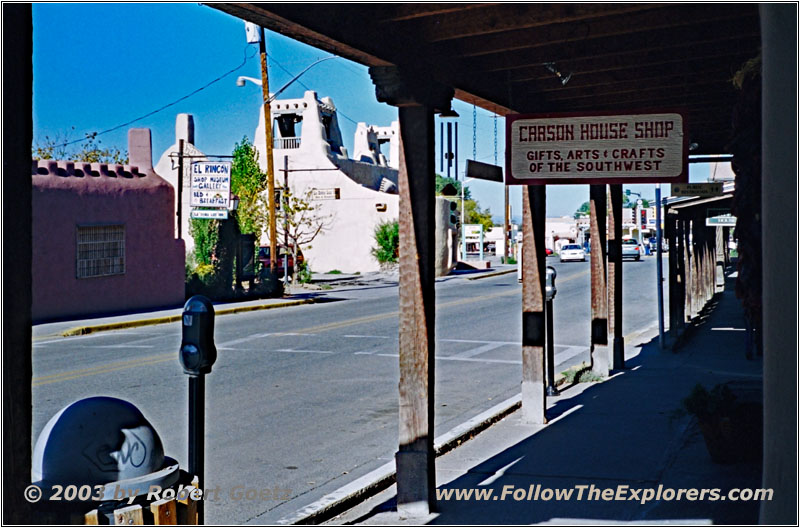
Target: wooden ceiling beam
{"x": 603, "y": 27}
{"x": 637, "y": 74}
{"x": 403, "y": 12}
{"x": 691, "y": 39}
{"x": 497, "y": 18}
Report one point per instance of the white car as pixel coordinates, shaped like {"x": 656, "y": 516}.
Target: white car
{"x": 572, "y": 252}
{"x": 631, "y": 249}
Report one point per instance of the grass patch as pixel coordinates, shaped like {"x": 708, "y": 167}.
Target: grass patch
{"x": 511, "y": 260}
{"x": 580, "y": 374}
{"x": 334, "y": 272}
{"x": 325, "y": 287}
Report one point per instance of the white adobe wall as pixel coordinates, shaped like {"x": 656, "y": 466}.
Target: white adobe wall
{"x": 347, "y": 243}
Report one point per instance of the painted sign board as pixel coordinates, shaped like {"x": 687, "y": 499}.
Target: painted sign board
{"x": 211, "y": 184}
{"x": 720, "y": 218}
{"x": 217, "y": 214}
{"x": 696, "y": 189}
{"x": 473, "y": 232}
{"x": 484, "y": 171}
{"x": 597, "y": 148}
{"x": 325, "y": 194}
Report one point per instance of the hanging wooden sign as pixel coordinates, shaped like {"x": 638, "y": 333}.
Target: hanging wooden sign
{"x": 596, "y": 148}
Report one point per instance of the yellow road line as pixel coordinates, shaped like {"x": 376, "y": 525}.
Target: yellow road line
{"x": 102, "y": 369}
{"x": 152, "y": 360}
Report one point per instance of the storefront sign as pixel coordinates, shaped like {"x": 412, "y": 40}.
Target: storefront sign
{"x": 211, "y": 184}
{"x": 596, "y": 148}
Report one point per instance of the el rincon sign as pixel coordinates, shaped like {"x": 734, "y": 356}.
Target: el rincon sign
{"x": 596, "y": 148}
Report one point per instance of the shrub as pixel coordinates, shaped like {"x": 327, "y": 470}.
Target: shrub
{"x": 303, "y": 273}
{"x": 387, "y": 238}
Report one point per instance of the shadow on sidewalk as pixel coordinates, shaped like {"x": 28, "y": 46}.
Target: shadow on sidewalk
{"x": 623, "y": 432}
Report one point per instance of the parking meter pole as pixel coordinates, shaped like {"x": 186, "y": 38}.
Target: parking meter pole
{"x": 197, "y": 355}
{"x": 550, "y": 294}
{"x": 551, "y": 368}
{"x": 659, "y": 270}
{"x": 197, "y": 398}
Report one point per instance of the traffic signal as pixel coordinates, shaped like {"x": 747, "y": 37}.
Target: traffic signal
{"x": 453, "y": 215}
{"x": 643, "y": 213}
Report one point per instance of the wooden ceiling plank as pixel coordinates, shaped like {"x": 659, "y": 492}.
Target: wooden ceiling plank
{"x": 691, "y": 38}
{"x": 602, "y": 27}
{"x": 403, "y": 12}
{"x": 505, "y": 17}
{"x": 582, "y": 78}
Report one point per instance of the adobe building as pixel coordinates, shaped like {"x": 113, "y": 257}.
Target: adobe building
{"x": 103, "y": 236}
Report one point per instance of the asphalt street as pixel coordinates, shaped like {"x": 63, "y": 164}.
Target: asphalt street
{"x": 304, "y": 399}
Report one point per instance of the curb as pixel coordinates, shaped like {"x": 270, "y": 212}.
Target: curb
{"x": 381, "y": 478}
{"x": 84, "y": 330}
{"x": 493, "y": 274}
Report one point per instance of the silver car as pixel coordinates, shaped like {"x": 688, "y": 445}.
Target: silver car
{"x": 572, "y": 252}
{"x": 631, "y": 248}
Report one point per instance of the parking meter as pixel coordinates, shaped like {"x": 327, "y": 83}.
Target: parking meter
{"x": 198, "y": 352}
{"x": 196, "y": 356}
{"x": 550, "y": 284}
{"x": 549, "y": 295}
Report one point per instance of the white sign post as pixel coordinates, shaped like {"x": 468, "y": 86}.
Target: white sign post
{"x": 596, "y": 148}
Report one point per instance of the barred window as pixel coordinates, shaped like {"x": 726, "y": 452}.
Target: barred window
{"x": 101, "y": 251}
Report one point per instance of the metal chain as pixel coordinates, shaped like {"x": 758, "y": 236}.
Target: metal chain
{"x": 474, "y": 132}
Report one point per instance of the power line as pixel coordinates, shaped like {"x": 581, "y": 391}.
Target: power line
{"x": 173, "y": 103}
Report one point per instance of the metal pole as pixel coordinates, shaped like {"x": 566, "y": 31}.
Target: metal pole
{"x": 551, "y": 356}
{"x": 481, "y": 242}
{"x": 273, "y": 241}
{"x": 180, "y": 184}
{"x": 659, "y": 270}
{"x": 286, "y": 221}
{"x": 197, "y": 396}
{"x": 506, "y": 224}
{"x": 463, "y": 228}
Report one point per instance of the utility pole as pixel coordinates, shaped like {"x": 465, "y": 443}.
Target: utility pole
{"x": 285, "y": 197}
{"x": 273, "y": 240}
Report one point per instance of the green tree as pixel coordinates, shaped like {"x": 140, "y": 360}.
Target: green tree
{"x": 473, "y": 214}
{"x": 89, "y": 150}
{"x": 301, "y": 221}
{"x": 248, "y": 183}
{"x": 205, "y": 233}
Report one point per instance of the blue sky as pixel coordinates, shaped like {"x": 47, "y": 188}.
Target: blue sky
{"x": 97, "y": 66}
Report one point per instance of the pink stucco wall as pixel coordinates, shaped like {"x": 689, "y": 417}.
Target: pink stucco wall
{"x": 67, "y": 194}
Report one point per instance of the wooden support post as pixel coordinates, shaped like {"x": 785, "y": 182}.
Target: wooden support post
{"x": 533, "y": 317}
{"x": 416, "y": 482}
{"x": 671, "y": 224}
{"x": 599, "y": 338}
{"x": 615, "y": 277}
{"x": 680, "y": 254}
{"x": 417, "y": 97}
{"x": 17, "y": 298}
{"x": 688, "y": 258}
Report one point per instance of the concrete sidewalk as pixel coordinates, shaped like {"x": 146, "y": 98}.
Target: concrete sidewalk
{"x": 622, "y": 431}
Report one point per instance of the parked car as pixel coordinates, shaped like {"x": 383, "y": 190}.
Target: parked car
{"x": 264, "y": 259}
{"x": 572, "y": 252}
{"x": 548, "y": 252}
{"x": 631, "y": 248}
